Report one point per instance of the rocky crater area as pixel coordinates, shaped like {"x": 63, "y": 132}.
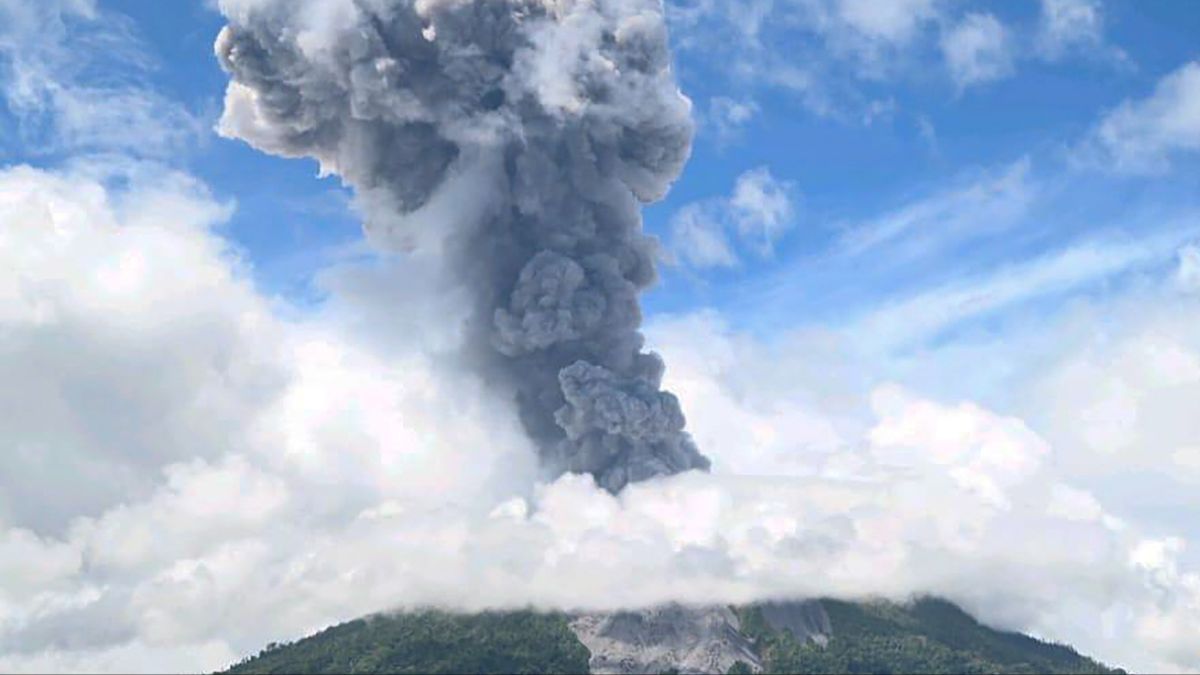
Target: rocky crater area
{"x": 689, "y": 640}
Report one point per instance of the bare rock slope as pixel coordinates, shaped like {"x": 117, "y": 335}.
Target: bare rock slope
{"x": 687, "y": 639}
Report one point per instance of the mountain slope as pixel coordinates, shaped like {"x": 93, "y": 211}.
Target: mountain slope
{"x": 432, "y": 642}
{"x": 926, "y": 636}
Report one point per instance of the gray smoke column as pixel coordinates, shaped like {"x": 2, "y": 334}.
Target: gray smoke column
{"x": 526, "y": 134}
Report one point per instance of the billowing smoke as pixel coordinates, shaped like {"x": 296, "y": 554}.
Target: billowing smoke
{"x": 551, "y": 121}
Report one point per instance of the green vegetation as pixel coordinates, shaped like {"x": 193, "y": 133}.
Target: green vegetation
{"x": 432, "y": 642}
{"x": 926, "y": 636}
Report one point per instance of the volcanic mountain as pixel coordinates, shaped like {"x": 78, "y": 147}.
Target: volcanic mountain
{"x": 925, "y": 635}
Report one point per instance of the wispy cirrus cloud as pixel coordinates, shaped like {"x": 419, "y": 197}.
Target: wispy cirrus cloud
{"x": 74, "y": 76}
{"x": 981, "y": 206}
{"x": 908, "y": 321}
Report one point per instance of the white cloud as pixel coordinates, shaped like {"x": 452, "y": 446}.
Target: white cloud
{"x": 977, "y": 50}
{"x": 23, "y": 18}
{"x": 190, "y": 475}
{"x": 872, "y": 33}
{"x": 928, "y": 134}
{"x": 1075, "y": 504}
{"x": 757, "y": 214}
{"x": 368, "y": 475}
{"x": 1188, "y": 274}
{"x": 780, "y": 409}
{"x": 1142, "y": 136}
{"x": 698, "y": 237}
{"x": 895, "y": 21}
{"x": 173, "y": 432}
{"x": 908, "y": 321}
{"x": 1066, "y": 25}
{"x": 728, "y": 117}
{"x": 993, "y": 473}
{"x": 983, "y": 205}
{"x": 1102, "y": 455}
{"x": 762, "y": 209}
{"x": 879, "y": 109}
{"x": 1120, "y": 399}
{"x": 814, "y": 49}
{"x": 74, "y": 257}
{"x": 50, "y": 53}
{"x": 833, "y": 55}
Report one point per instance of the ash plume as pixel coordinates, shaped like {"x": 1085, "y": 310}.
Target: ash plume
{"x": 550, "y": 122}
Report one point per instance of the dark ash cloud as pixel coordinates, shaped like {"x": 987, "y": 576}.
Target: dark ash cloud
{"x": 551, "y": 121}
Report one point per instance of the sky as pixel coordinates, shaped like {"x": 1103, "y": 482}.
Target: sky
{"x": 927, "y": 295}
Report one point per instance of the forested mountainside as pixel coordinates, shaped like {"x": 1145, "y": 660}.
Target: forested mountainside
{"x": 826, "y": 636}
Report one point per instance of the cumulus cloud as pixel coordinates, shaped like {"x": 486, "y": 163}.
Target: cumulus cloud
{"x": 760, "y": 211}
{"x": 1143, "y": 136}
{"x": 365, "y": 473}
{"x": 169, "y": 420}
{"x": 1120, "y": 401}
{"x": 977, "y": 50}
{"x": 75, "y": 257}
{"x": 1096, "y": 400}
{"x": 196, "y": 470}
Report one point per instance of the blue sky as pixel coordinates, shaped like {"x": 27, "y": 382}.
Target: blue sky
{"x": 922, "y": 196}
{"x": 848, "y": 171}
{"x": 928, "y": 296}
{"x": 857, "y": 134}
{"x": 924, "y": 204}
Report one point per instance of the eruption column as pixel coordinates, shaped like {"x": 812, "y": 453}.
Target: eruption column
{"x": 558, "y": 119}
